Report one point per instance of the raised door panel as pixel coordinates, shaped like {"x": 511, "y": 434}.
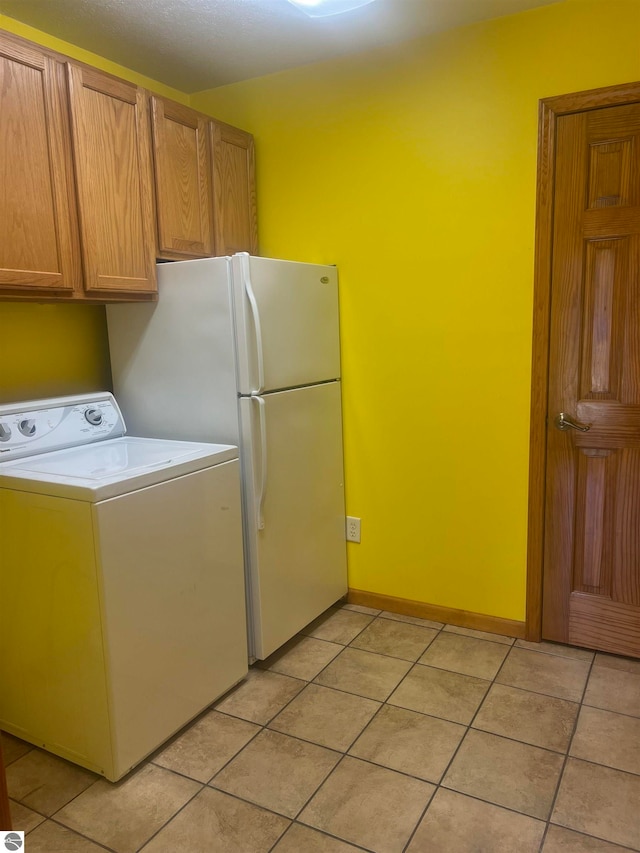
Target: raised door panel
{"x": 234, "y": 190}
{"x": 182, "y": 181}
{"x": 112, "y": 148}
{"x": 39, "y": 248}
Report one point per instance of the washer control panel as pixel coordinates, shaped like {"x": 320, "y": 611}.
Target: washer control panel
{"x": 41, "y": 426}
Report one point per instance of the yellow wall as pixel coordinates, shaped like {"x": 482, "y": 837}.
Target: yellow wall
{"x": 58, "y": 349}
{"x": 414, "y": 170}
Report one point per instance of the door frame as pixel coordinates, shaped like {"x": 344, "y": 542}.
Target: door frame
{"x": 549, "y": 111}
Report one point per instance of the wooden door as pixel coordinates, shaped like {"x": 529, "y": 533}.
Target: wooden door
{"x": 234, "y": 190}
{"x": 112, "y": 148}
{"x": 39, "y": 247}
{"x": 591, "y": 589}
{"x": 183, "y": 183}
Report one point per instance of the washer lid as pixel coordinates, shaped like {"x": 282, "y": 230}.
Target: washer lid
{"x": 108, "y": 468}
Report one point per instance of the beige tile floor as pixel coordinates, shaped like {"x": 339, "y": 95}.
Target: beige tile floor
{"x": 374, "y": 732}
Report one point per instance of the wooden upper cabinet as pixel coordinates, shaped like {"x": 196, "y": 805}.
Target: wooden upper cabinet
{"x": 234, "y": 191}
{"x": 112, "y": 149}
{"x": 39, "y": 250}
{"x": 80, "y": 216}
{"x": 183, "y": 183}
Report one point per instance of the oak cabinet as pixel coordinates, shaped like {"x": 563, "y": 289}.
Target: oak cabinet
{"x": 182, "y": 181}
{"x": 234, "y": 190}
{"x": 98, "y": 178}
{"x": 112, "y": 151}
{"x": 205, "y": 189}
{"x": 39, "y": 248}
{"x": 76, "y": 185}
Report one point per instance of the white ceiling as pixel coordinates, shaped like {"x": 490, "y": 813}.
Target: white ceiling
{"x": 199, "y": 44}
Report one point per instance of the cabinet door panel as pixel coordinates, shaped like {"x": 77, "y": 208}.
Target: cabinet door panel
{"x": 234, "y": 192}
{"x": 38, "y": 222}
{"x": 183, "y": 191}
{"x": 112, "y": 150}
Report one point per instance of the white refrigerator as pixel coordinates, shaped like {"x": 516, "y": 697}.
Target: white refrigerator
{"x": 246, "y": 351}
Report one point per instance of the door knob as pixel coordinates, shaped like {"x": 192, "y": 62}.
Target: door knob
{"x": 563, "y": 422}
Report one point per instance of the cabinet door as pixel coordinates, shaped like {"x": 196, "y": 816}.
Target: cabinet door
{"x": 183, "y": 185}
{"x": 39, "y": 248}
{"x": 234, "y": 190}
{"x": 112, "y": 148}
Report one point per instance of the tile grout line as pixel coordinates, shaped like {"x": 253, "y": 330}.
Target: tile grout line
{"x": 79, "y": 834}
{"x": 295, "y": 822}
{"x": 382, "y": 703}
{"x": 322, "y": 640}
{"x": 263, "y": 728}
{"x": 566, "y": 758}
{"x": 335, "y": 613}
{"x": 203, "y": 785}
{"x": 609, "y": 711}
{"x": 209, "y": 786}
{"x": 390, "y": 657}
{"x": 272, "y": 718}
{"x": 538, "y": 692}
{"x": 440, "y": 785}
{"x": 296, "y": 819}
{"x": 368, "y": 625}
{"x": 181, "y": 809}
{"x": 317, "y": 788}
{"x": 579, "y": 832}
{"x": 350, "y": 645}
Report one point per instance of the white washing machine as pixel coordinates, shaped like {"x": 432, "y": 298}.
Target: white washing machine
{"x": 121, "y": 581}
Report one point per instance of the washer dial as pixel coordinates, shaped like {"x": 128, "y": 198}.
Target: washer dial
{"x": 27, "y": 427}
{"x": 93, "y": 416}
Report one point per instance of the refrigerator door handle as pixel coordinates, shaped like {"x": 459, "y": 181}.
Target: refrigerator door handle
{"x": 263, "y": 461}
{"x": 256, "y": 322}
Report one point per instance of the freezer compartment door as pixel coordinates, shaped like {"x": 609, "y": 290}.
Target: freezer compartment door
{"x": 287, "y": 326}
{"x": 294, "y": 510}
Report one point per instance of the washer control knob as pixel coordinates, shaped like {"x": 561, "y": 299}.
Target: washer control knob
{"x": 5, "y": 432}
{"x": 94, "y": 416}
{"x": 27, "y": 427}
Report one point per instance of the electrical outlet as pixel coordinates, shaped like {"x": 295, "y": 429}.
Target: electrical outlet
{"x": 353, "y": 529}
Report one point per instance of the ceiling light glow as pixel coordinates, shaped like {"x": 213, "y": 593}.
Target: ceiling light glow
{"x": 324, "y": 8}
